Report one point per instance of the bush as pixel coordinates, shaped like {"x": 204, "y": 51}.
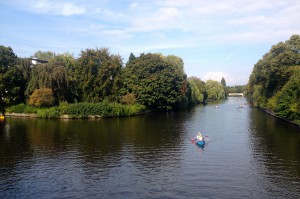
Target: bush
{"x": 41, "y": 98}
{"x": 21, "y": 108}
{"x": 103, "y": 109}
{"x": 63, "y": 107}
{"x": 129, "y": 98}
{"x": 81, "y": 110}
{"x": 30, "y": 109}
{"x": 49, "y": 113}
{"x": 16, "y": 109}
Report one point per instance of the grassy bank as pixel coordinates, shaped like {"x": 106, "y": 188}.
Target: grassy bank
{"x": 79, "y": 110}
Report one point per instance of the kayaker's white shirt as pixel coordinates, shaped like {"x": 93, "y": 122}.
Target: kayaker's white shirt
{"x": 199, "y": 137}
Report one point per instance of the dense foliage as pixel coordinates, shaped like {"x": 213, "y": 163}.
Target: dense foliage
{"x": 150, "y": 81}
{"x": 156, "y": 82}
{"x": 42, "y": 97}
{"x": 274, "y": 82}
{"x": 80, "y": 110}
{"x": 11, "y": 80}
{"x": 197, "y": 90}
{"x": 236, "y": 89}
{"x": 98, "y": 75}
{"x": 215, "y": 90}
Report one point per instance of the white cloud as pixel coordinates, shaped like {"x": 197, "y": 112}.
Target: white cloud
{"x": 205, "y": 33}
{"x": 133, "y": 5}
{"x": 217, "y": 76}
{"x": 57, "y": 7}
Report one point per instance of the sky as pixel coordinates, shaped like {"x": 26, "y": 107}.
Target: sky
{"x": 215, "y": 38}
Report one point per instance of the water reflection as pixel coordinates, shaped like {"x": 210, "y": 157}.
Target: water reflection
{"x": 276, "y": 150}
{"x": 249, "y": 155}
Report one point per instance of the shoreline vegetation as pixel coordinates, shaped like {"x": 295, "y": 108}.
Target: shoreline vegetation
{"x": 77, "y": 111}
{"x": 98, "y": 83}
{"x": 274, "y": 84}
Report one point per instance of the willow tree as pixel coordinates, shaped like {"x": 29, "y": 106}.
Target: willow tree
{"x": 215, "y": 90}
{"x": 52, "y": 76}
{"x": 67, "y": 60}
{"x": 197, "y": 90}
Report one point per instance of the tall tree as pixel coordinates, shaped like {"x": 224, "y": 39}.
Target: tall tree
{"x": 155, "y": 82}
{"x": 223, "y": 82}
{"x": 67, "y": 60}
{"x": 51, "y": 75}
{"x": 131, "y": 58}
{"x": 24, "y": 65}
{"x": 215, "y": 90}
{"x": 99, "y": 73}
{"x": 272, "y": 72}
{"x": 285, "y": 103}
{"x": 11, "y": 78}
{"x": 44, "y": 55}
{"x": 197, "y": 90}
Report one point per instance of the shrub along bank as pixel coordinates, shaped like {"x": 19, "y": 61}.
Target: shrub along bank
{"x": 80, "y": 110}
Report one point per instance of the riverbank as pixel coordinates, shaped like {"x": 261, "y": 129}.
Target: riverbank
{"x": 271, "y": 112}
{"x": 77, "y": 111}
{"x": 34, "y": 115}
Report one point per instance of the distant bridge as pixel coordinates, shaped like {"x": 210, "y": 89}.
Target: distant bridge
{"x": 235, "y": 94}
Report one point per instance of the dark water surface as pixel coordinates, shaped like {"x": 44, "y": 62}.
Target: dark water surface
{"x": 249, "y": 154}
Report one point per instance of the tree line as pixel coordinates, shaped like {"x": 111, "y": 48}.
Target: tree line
{"x": 152, "y": 80}
{"x": 274, "y": 83}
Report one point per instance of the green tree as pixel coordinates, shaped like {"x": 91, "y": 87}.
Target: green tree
{"x": 155, "y": 82}
{"x": 236, "y": 89}
{"x": 223, "y": 82}
{"x": 11, "y": 78}
{"x": 272, "y": 72}
{"x": 286, "y": 102}
{"x": 131, "y": 58}
{"x": 99, "y": 75}
{"x": 48, "y": 55}
{"x": 52, "y": 75}
{"x": 194, "y": 95}
{"x": 197, "y": 90}
{"x": 67, "y": 60}
{"x": 24, "y": 66}
{"x": 215, "y": 90}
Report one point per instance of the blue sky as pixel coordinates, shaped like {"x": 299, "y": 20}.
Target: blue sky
{"x": 215, "y": 38}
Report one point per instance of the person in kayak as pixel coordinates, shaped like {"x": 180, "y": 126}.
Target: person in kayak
{"x": 200, "y": 137}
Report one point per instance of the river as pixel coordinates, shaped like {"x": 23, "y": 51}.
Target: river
{"x": 248, "y": 154}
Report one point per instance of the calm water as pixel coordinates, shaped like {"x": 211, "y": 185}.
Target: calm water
{"x": 248, "y": 154}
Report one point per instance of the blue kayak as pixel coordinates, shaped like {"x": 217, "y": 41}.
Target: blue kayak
{"x": 198, "y": 142}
